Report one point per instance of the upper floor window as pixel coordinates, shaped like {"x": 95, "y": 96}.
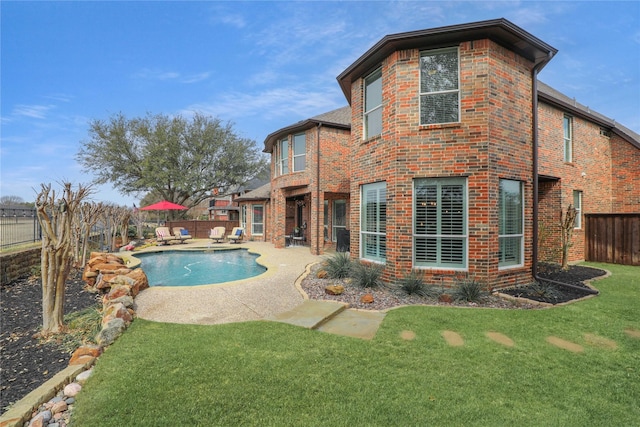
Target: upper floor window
{"x": 373, "y": 104}
{"x": 577, "y": 205}
{"x": 511, "y": 224}
{"x": 283, "y": 160}
{"x": 299, "y": 152}
{"x": 440, "y": 223}
{"x": 439, "y": 87}
{"x": 567, "y": 125}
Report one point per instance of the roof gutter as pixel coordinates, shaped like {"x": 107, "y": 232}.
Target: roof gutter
{"x": 534, "y": 264}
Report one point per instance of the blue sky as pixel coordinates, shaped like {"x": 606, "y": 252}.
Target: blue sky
{"x": 261, "y": 65}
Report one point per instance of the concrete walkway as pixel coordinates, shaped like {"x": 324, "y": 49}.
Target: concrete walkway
{"x": 275, "y": 295}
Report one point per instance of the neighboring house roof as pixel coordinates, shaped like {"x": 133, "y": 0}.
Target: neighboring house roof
{"x": 549, "y": 95}
{"x": 501, "y": 31}
{"x": 260, "y": 193}
{"x": 339, "y": 118}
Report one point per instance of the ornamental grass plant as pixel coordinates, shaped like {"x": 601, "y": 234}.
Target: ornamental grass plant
{"x": 275, "y": 374}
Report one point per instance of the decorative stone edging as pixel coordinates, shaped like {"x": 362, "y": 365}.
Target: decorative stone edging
{"x": 108, "y": 274}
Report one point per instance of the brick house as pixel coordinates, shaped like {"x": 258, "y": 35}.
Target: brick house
{"x": 310, "y": 167}
{"x": 436, "y": 167}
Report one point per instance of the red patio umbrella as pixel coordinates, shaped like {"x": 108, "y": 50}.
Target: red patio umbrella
{"x": 164, "y": 205}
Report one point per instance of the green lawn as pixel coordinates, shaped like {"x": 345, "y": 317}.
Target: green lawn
{"x": 271, "y": 374}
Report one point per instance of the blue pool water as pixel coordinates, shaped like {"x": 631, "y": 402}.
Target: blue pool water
{"x": 182, "y": 268}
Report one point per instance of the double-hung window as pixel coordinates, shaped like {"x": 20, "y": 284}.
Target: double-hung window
{"x": 440, "y": 223}
{"x": 373, "y": 222}
{"x": 439, "y": 87}
{"x": 511, "y": 228}
{"x": 577, "y": 205}
{"x": 373, "y": 104}
{"x": 283, "y": 146}
{"x": 299, "y": 152}
{"x": 257, "y": 220}
{"x": 567, "y": 126}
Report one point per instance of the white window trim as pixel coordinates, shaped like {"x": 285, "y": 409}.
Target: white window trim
{"x": 253, "y": 223}
{"x": 367, "y": 113}
{"x": 465, "y": 236}
{"x": 567, "y": 141}
{"x": 521, "y": 235}
{"x": 376, "y": 186}
{"x": 282, "y": 161}
{"x": 458, "y": 91}
{"x": 304, "y": 154}
{"x": 578, "y": 223}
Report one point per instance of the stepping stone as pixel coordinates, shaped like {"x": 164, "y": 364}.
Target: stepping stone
{"x": 408, "y": 335}
{"x": 354, "y": 323}
{"x": 633, "y": 333}
{"x": 601, "y": 342}
{"x": 453, "y": 338}
{"x": 566, "y": 345}
{"x": 500, "y": 338}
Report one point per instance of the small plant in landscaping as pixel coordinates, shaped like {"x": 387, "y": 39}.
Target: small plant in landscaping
{"x": 367, "y": 275}
{"x": 544, "y": 290}
{"x": 468, "y": 290}
{"x": 338, "y": 266}
{"x": 412, "y": 284}
{"x": 83, "y": 326}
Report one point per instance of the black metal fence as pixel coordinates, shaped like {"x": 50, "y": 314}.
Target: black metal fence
{"x": 18, "y": 226}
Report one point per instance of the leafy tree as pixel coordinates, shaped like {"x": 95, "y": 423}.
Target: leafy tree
{"x": 178, "y": 159}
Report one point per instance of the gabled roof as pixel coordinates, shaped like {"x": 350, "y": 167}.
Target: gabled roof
{"x": 260, "y": 193}
{"x": 339, "y": 118}
{"x": 500, "y": 31}
{"x": 551, "y": 96}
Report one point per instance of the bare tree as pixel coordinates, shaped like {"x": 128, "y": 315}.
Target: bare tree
{"x": 89, "y": 216}
{"x": 55, "y": 216}
{"x": 567, "y": 222}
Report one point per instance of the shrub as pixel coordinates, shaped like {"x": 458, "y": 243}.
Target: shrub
{"x": 544, "y": 290}
{"x": 412, "y": 284}
{"x": 367, "y": 275}
{"x": 338, "y": 266}
{"x": 468, "y": 290}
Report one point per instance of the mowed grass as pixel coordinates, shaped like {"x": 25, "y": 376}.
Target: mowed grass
{"x": 271, "y": 374}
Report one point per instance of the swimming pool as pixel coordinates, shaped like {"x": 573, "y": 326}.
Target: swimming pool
{"x": 192, "y": 268}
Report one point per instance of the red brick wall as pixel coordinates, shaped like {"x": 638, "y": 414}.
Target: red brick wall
{"x": 492, "y": 141}
{"x": 625, "y": 166}
{"x": 589, "y": 172}
{"x": 334, "y": 175}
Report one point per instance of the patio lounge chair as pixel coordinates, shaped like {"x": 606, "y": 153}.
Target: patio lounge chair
{"x": 164, "y": 236}
{"x": 236, "y": 235}
{"x": 217, "y": 234}
{"x": 181, "y": 234}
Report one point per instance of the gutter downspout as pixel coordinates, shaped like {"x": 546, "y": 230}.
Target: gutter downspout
{"x": 318, "y": 236}
{"x": 534, "y": 264}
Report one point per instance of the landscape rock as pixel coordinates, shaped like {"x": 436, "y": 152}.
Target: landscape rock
{"x": 118, "y": 291}
{"x": 125, "y": 300}
{"x": 322, "y": 274}
{"x": 81, "y": 379}
{"x": 366, "y": 299}
{"x": 59, "y": 407}
{"x": 110, "y": 332}
{"x": 72, "y": 389}
{"x": 116, "y": 311}
{"x": 445, "y": 298}
{"x": 334, "y": 289}
{"x": 85, "y": 350}
{"x": 141, "y": 281}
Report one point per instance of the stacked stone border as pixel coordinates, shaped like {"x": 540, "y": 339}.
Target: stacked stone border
{"x": 18, "y": 264}
{"x": 119, "y": 284}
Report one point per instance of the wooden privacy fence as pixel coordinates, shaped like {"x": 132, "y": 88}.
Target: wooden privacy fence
{"x": 613, "y": 238}
{"x": 201, "y": 229}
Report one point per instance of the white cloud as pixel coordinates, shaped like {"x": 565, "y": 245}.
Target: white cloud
{"x": 162, "y": 75}
{"x": 32, "y": 111}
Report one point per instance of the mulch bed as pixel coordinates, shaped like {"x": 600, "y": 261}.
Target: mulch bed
{"x": 25, "y": 362}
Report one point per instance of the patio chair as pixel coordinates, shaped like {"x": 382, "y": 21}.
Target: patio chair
{"x": 181, "y": 234}
{"x": 236, "y": 235}
{"x": 217, "y": 234}
{"x": 164, "y": 236}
